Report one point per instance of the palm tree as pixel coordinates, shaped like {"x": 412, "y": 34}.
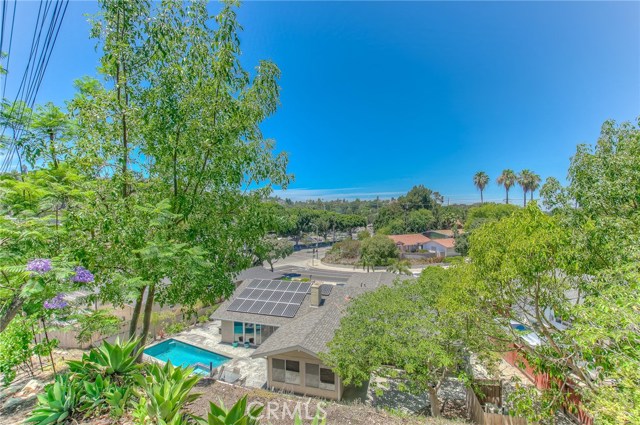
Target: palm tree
{"x": 399, "y": 267}
{"x": 481, "y": 180}
{"x": 507, "y": 179}
{"x": 524, "y": 180}
{"x": 534, "y": 183}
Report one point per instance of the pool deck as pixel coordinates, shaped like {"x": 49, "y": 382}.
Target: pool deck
{"x": 207, "y": 336}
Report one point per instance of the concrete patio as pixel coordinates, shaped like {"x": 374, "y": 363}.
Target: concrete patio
{"x": 207, "y": 336}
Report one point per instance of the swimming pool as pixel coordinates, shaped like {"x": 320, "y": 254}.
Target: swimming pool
{"x": 183, "y": 354}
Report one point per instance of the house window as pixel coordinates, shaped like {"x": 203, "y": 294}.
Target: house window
{"x": 277, "y": 370}
{"x": 292, "y": 373}
{"x": 327, "y": 379}
{"x": 287, "y": 371}
{"x": 312, "y": 375}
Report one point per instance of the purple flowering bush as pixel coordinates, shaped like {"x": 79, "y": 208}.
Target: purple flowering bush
{"x": 82, "y": 275}
{"x": 39, "y": 265}
{"x": 55, "y": 303}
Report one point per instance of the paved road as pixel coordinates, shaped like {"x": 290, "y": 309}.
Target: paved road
{"x": 311, "y": 272}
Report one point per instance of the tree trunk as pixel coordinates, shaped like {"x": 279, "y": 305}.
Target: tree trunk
{"x": 507, "y": 196}
{"x": 524, "y": 201}
{"x": 435, "y": 403}
{"x": 481, "y": 198}
{"x": 13, "y": 309}
{"x": 147, "y": 317}
{"x": 136, "y": 314}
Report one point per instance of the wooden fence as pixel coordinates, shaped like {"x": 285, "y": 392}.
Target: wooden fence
{"x": 491, "y": 391}
{"x": 573, "y": 407}
{"x": 67, "y": 338}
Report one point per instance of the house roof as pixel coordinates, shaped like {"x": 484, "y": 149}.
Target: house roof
{"x": 447, "y": 243}
{"x": 410, "y": 239}
{"x": 223, "y": 312}
{"x": 312, "y": 331}
{"x": 257, "y": 272}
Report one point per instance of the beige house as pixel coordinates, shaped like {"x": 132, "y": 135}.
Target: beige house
{"x": 293, "y": 345}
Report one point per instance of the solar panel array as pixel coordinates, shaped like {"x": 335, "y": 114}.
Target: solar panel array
{"x": 271, "y": 298}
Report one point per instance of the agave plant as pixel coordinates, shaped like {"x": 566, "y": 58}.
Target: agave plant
{"x": 59, "y": 401}
{"x": 118, "y": 360}
{"x": 165, "y": 391}
{"x": 93, "y": 394}
{"x": 117, "y": 398}
{"x": 237, "y": 415}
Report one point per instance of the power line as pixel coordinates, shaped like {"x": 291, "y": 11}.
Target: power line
{"x": 53, "y": 13}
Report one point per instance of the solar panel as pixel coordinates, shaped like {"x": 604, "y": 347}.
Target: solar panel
{"x": 304, "y": 287}
{"x": 245, "y": 294}
{"x": 234, "y": 305}
{"x": 267, "y": 308}
{"x": 298, "y": 298}
{"x": 272, "y": 297}
{"x": 245, "y": 306}
{"x": 279, "y": 309}
{"x": 326, "y": 290}
{"x": 291, "y": 310}
{"x": 276, "y": 296}
{"x": 265, "y": 295}
{"x": 256, "y": 307}
{"x": 286, "y": 297}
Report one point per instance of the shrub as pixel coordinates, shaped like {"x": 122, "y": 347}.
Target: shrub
{"x": 59, "y": 401}
{"x": 175, "y": 328}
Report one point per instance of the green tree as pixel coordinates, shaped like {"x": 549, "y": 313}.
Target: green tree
{"x": 273, "y": 249}
{"x": 400, "y": 267}
{"x": 377, "y": 250}
{"x": 419, "y": 221}
{"x": 415, "y": 333}
{"x": 480, "y": 181}
{"x": 189, "y": 215}
{"x": 507, "y": 179}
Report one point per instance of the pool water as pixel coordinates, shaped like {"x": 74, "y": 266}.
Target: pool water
{"x": 182, "y": 354}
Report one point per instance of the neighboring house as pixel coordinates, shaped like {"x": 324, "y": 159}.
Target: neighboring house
{"x": 442, "y": 247}
{"x": 292, "y": 344}
{"x": 411, "y": 242}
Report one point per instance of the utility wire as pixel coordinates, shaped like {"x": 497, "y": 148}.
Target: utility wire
{"x": 53, "y": 13}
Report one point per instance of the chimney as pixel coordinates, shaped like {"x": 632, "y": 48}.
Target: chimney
{"x": 316, "y": 295}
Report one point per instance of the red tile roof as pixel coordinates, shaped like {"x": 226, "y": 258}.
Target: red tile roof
{"x": 412, "y": 239}
{"x": 447, "y": 243}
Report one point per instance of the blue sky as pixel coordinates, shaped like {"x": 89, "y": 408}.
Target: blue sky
{"x": 380, "y": 96}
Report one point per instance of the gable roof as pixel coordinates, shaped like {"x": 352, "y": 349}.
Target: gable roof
{"x": 410, "y": 239}
{"x": 447, "y": 243}
{"x": 311, "y": 332}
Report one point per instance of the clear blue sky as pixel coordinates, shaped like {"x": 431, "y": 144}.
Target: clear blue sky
{"x": 380, "y": 96}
